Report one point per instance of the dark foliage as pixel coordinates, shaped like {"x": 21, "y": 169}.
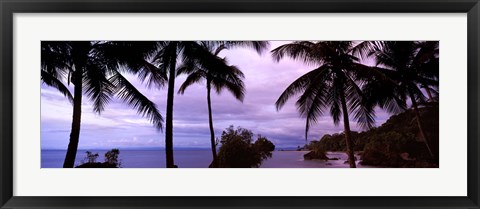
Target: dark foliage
{"x": 111, "y": 160}
{"x": 93, "y": 68}
{"x": 111, "y": 157}
{"x": 239, "y": 151}
{"x": 396, "y": 143}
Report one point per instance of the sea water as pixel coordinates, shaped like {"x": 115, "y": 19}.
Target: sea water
{"x": 194, "y": 159}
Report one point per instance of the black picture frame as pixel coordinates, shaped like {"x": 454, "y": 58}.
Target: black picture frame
{"x": 9, "y": 7}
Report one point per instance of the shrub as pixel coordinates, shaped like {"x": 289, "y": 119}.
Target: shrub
{"x": 239, "y": 151}
{"x": 263, "y": 147}
{"x": 317, "y": 150}
{"x": 111, "y": 157}
{"x": 111, "y": 160}
{"x": 91, "y": 158}
{"x": 385, "y": 149}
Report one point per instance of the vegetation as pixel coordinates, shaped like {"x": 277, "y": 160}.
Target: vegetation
{"x": 396, "y": 143}
{"x": 338, "y": 85}
{"x": 194, "y": 55}
{"x": 94, "y": 69}
{"x": 411, "y": 66}
{"x": 91, "y": 158}
{"x": 111, "y": 160}
{"x": 331, "y": 86}
{"x": 317, "y": 151}
{"x": 341, "y": 84}
{"x": 239, "y": 151}
{"x": 111, "y": 157}
{"x": 217, "y": 74}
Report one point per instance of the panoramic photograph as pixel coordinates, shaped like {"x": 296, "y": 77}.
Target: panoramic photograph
{"x": 239, "y": 104}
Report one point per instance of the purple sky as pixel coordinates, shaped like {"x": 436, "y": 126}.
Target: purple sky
{"x": 120, "y": 127}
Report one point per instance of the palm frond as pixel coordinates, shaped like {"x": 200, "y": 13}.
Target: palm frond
{"x": 233, "y": 83}
{"x": 132, "y": 56}
{"x": 363, "y": 72}
{"x": 299, "y": 85}
{"x": 335, "y": 110}
{"x": 427, "y": 50}
{"x": 313, "y": 113}
{"x": 361, "y": 106}
{"x": 97, "y": 87}
{"x": 52, "y": 81}
{"x": 166, "y": 57}
{"x": 429, "y": 69}
{"x": 426, "y": 81}
{"x": 312, "y": 102}
{"x": 55, "y": 58}
{"x": 187, "y": 68}
{"x": 333, "y": 100}
{"x": 154, "y": 76}
{"x": 195, "y": 77}
{"x": 199, "y": 58}
{"x": 258, "y": 46}
{"x": 417, "y": 92}
{"x": 134, "y": 98}
{"x": 301, "y": 51}
{"x": 386, "y": 95}
{"x": 364, "y": 49}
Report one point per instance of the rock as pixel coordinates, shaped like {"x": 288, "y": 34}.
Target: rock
{"x": 315, "y": 155}
{"x": 406, "y": 156}
{"x": 97, "y": 165}
{"x": 354, "y": 158}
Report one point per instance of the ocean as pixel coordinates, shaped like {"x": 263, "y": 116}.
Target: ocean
{"x": 194, "y": 159}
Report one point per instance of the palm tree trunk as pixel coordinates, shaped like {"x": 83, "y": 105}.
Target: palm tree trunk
{"x": 169, "y": 121}
{"x": 348, "y": 136}
{"x": 76, "y": 120}
{"x": 419, "y": 123}
{"x": 210, "y": 123}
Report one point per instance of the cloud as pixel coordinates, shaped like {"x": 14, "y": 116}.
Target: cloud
{"x": 121, "y": 126}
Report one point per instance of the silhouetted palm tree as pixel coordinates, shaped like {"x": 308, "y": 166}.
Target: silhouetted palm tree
{"x": 217, "y": 74}
{"x": 412, "y": 65}
{"x": 167, "y": 59}
{"x": 87, "y": 65}
{"x": 332, "y": 85}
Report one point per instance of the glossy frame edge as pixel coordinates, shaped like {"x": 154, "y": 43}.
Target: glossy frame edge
{"x": 9, "y": 7}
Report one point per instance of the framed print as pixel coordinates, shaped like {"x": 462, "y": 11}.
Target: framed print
{"x": 265, "y": 104}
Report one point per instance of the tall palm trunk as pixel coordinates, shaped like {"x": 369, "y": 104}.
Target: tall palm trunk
{"x": 77, "y": 113}
{"x": 214, "y": 163}
{"x": 169, "y": 122}
{"x": 348, "y": 136}
{"x": 419, "y": 123}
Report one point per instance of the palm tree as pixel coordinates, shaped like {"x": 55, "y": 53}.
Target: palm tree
{"x": 332, "y": 86}
{"x": 87, "y": 66}
{"x": 166, "y": 60}
{"x": 412, "y": 65}
{"x": 427, "y": 63}
{"x": 217, "y": 74}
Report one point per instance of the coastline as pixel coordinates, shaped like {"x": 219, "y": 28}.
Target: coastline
{"x": 198, "y": 159}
